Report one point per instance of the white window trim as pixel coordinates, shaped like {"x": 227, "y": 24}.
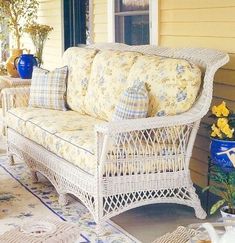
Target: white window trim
{"x": 153, "y": 21}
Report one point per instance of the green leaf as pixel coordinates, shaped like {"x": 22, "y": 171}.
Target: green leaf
{"x": 218, "y": 179}
{"x": 231, "y": 179}
{"x": 219, "y": 188}
{"x": 216, "y": 206}
{"x": 206, "y": 189}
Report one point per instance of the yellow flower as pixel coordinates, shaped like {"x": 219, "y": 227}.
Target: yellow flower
{"x": 222, "y": 122}
{"x": 227, "y": 131}
{"x": 216, "y": 131}
{"x": 230, "y": 135}
{"x": 220, "y": 110}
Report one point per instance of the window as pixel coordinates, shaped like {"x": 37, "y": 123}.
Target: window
{"x": 132, "y": 22}
{"x": 76, "y": 13}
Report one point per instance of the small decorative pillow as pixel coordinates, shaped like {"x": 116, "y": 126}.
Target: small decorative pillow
{"x": 133, "y": 103}
{"x": 48, "y": 89}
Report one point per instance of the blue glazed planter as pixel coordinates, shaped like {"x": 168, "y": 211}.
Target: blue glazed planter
{"x": 25, "y": 65}
{"x": 222, "y": 153}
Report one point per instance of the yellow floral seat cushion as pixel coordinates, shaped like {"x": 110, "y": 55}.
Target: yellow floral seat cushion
{"x": 69, "y": 134}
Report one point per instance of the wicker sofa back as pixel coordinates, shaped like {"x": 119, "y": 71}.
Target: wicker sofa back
{"x": 97, "y": 79}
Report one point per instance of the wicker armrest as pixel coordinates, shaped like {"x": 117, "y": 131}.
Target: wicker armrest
{"x": 14, "y": 97}
{"x": 147, "y": 123}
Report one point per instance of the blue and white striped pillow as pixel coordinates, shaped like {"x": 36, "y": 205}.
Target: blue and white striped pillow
{"x": 48, "y": 89}
{"x": 133, "y": 103}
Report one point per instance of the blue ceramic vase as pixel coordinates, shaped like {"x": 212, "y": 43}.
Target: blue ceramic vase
{"x": 222, "y": 153}
{"x": 25, "y": 64}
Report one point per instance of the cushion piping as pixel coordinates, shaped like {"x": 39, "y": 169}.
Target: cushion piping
{"x": 54, "y": 134}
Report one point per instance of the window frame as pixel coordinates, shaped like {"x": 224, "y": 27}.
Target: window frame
{"x": 153, "y": 21}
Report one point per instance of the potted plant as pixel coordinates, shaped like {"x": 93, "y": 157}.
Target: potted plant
{"x": 17, "y": 14}
{"x": 222, "y": 159}
{"x": 222, "y": 147}
{"x": 223, "y": 185}
{"x": 39, "y": 34}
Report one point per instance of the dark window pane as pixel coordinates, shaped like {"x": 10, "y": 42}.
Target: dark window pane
{"x": 132, "y": 22}
{"x": 74, "y": 22}
{"x": 136, "y": 30}
{"x": 134, "y": 5}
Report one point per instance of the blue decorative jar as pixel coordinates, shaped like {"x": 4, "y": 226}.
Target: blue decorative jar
{"x": 24, "y": 65}
{"x": 222, "y": 153}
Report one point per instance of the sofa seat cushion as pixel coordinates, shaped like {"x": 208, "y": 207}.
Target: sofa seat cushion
{"x": 69, "y": 134}
{"x": 109, "y": 79}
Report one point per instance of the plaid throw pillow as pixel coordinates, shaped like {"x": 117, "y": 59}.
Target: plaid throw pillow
{"x": 48, "y": 89}
{"x": 133, "y": 103}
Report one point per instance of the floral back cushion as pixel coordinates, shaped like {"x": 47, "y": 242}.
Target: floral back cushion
{"x": 79, "y": 62}
{"x": 173, "y": 84}
{"x": 109, "y": 78}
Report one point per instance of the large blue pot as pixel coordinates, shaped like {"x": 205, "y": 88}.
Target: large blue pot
{"x": 222, "y": 153}
{"x": 25, "y": 64}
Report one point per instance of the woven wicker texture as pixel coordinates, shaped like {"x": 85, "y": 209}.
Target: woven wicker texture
{"x": 65, "y": 233}
{"x": 180, "y": 235}
{"x": 151, "y": 169}
{"x": 7, "y": 82}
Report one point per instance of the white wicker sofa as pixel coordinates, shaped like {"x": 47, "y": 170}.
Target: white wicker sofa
{"x": 150, "y": 165}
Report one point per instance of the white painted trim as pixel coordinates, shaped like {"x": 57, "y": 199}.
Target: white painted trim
{"x": 91, "y": 21}
{"x": 153, "y": 21}
{"x": 62, "y": 26}
{"x": 111, "y": 21}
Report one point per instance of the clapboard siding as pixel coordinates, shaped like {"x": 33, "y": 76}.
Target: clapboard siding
{"x": 202, "y": 23}
{"x": 185, "y": 16}
{"x": 196, "y": 4}
{"x": 199, "y": 178}
{"x": 210, "y": 29}
{"x": 231, "y": 64}
{"x": 220, "y": 43}
{"x": 100, "y": 25}
{"x": 50, "y": 13}
{"x": 225, "y": 76}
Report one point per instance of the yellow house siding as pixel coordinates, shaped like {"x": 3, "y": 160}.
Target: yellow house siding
{"x": 100, "y": 19}
{"x": 50, "y": 13}
{"x": 202, "y": 23}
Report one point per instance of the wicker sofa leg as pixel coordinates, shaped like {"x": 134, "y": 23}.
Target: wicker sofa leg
{"x": 100, "y": 229}
{"x": 34, "y": 176}
{"x": 11, "y": 159}
{"x": 196, "y": 204}
{"x": 63, "y": 199}
{"x": 199, "y": 212}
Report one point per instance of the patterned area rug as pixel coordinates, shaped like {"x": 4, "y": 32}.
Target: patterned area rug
{"x": 22, "y": 200}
